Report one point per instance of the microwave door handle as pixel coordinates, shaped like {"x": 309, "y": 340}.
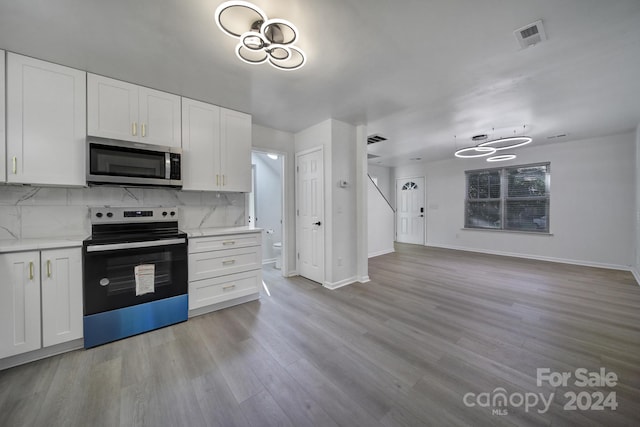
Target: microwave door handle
{"x": 135, "y": 245}
{"x": 167, "y": 166}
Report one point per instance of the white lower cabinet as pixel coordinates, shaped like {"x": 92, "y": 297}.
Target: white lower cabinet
{"x": 61, "y": 272}
{"x": 40, "y": 299}
{"x": 223, "y": 270}
{"x": 19, "y": 303}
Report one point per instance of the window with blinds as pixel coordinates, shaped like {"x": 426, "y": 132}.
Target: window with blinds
{"x": 510, "y": 198}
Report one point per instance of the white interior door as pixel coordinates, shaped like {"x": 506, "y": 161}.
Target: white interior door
{"x": 310, "y": 214}
{"x": 410, "y": 210}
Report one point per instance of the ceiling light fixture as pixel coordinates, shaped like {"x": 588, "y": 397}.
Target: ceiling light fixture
{"x": 489, "y": 148}
{"x": 261, "y": 39}
{"x": 501, "y": 158}
{"x": 516, "y": 141}
{"x": 463, "y": 153}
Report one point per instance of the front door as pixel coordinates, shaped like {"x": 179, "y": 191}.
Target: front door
{"x": 310, "y": 214}
{"x": 410, "y": 210}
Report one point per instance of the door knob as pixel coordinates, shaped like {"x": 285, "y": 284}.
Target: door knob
{"x": 317, "y": 223}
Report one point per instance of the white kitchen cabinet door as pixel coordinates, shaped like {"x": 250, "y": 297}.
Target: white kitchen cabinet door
{"x": 159, "y": 117}
{"x": 3, "y": 134}
{"x": 235, "y": 152}
{"x": 19, "y": 303}
{"x": 46, "y": 123}
{"x": 112, "y": 108}
{"x": 200, "y": 146}
{"x": 61, "y": 295}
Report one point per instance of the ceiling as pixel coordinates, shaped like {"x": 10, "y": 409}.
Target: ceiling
{"x": 426, "y": 74}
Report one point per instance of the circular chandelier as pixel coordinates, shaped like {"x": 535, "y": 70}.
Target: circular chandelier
{"x": 489, "y": 148}
{"x": 261, "y": 39}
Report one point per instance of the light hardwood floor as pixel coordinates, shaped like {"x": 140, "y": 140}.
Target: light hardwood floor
{"x": 402, "y": 350}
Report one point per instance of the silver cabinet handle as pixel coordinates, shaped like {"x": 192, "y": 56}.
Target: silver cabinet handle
{"x": 228, "y": 243}
{"x": 30, "y": 270}
{"x": 217, "y": 180}
{"x": 229, "y": 262}
{"x": 134, "y": 128}
{"x": 15, "y": 165}
{"x": 228, "y": 287}
{"x": 48, "y": 268}
{"x": 144, "y": 130}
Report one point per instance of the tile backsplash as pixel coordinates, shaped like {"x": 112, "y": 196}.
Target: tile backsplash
{"x": 41, "y": 212}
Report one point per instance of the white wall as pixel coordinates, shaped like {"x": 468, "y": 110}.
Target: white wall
{"x": 636, "y": 270}
{"x": 272, "y": 140}
{"x": 385, "y": 179}
{"x": 344, "y": 209}
{"x": 381, "y": 230}
{"x": 338, "y": 141}
{"x": 592, "y": 204}
{"x": 268, "y": 194}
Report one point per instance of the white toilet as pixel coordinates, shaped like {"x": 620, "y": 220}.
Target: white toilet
{"x": 277, "y": 251}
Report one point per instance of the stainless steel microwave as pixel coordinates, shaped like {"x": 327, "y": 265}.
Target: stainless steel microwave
{"x": 130, "y": 163}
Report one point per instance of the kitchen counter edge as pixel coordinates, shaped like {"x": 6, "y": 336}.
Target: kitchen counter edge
{"x": 220, "y": 231}
{"x": 23, "y": 245}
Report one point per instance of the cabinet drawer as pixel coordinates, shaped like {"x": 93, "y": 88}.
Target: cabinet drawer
{"x": 231, "y": 241}
{"x": 207, "y": 292}
{"x": 205, "y": 265}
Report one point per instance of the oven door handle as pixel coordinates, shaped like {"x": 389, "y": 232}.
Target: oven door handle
{"x": 135, "y": 245}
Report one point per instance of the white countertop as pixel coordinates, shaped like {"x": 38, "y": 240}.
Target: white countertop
{"x": 220, "y": 231}
{"x": 20, "y": 245}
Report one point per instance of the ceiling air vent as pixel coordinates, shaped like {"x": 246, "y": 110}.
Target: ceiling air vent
{"x": 531, "y": 34}
{"x": 372, "y": 139}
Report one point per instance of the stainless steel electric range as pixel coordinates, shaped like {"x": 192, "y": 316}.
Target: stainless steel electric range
{"x": 134, "y": 271}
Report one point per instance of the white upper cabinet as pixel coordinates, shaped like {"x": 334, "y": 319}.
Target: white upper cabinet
{"x": 3, "y": 134}
{"x": 120, "y": 110}
{"x": 200, "y": 145}
{"x": 160, "y": 117}
{"x": 112, "y": 108}
{"x": 216, "y": 148}
{"x": 235, "y": 150}
{"x": 46, "y": 123}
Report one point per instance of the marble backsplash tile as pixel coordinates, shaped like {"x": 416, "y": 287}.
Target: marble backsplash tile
{"x": 34, "y": 212}
{"x": 9, "y": 222}
{"x": 54, "y": 221}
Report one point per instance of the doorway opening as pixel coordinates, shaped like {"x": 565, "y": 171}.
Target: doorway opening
{"x": 266, "y": 207}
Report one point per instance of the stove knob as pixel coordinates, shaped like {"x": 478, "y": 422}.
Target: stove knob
{"x": 173, "y": 213}
{"x": 164, "y": 213}
{"x": 109, "y": 214}
{"x": 99, "y": 214}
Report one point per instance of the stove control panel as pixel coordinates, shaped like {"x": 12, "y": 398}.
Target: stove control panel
{"x": 115, "y": 215}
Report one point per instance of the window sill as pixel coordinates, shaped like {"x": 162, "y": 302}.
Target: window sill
{"x": 496, "y": 230}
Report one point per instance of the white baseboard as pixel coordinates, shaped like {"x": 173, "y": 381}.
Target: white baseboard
{"x": 32, "y": 356}
{"x": 382, "y": 252}
{"x": 364, "y": 279}
{"x": 225, "y": 304}
{"x": 341, "y": 283}
{"x": 291, "y": 273}
{"x": 268, "y": 261}
{"x": 636, "y": 274}
{"x": 537, "y": 257}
